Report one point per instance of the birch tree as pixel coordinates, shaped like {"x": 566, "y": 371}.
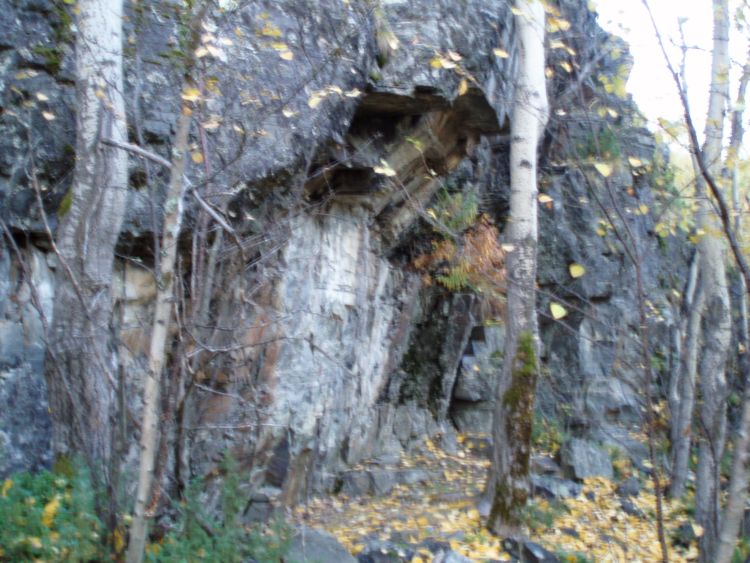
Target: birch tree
{"x": 715, "y": 326}
{"x": 80, "y": 366}
{"x": 160, "y": 328}
{"x": 508, "y": 483}
{"x": 739, "y": 475}
{"x": 715, "y": 315}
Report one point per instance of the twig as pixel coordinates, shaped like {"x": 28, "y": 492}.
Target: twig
{"x": 140, "y": 151}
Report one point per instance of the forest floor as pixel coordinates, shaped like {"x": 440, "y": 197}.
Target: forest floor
{"x": 412, "y": 519}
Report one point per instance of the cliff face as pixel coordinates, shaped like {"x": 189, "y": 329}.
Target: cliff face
{"x": 331, "y": 129}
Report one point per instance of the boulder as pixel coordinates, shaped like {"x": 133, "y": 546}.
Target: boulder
{"x": 554, "y": 488}
{"x": 631, "y": 487}
{"x": 379, "y": 551}
{"x": 528, "y": 551}
{"x": 582, "y": 458}
{"x": 314, "y": 546}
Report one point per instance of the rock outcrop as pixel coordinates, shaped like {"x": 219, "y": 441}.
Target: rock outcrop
{"x": 328, "y": 129}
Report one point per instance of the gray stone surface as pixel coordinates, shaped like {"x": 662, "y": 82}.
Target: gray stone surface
{"x": 554, "y": 488}
{"x": 450, "y": 556}
{"x": 581, "y": 459}
{"x": 333, "y": 350}
{"x": 314, "y": 546}
{"x": 631, "y": 487}
{"x": 24, "y": 423}
{"x": 529, "y": 551}
{"x": 379, "y": 551}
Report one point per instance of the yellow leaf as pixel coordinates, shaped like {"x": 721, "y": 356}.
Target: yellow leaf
{"x": 417, "y": 559}
{"x": 566, "y": 66}
{"x": 698, "y": 530}
{"x": 384, "y": 169}
{"x": 463, "y": 87}
{"x": 603, "y": 168}
{"x": 191, "y": 94}
{"x": 212, "y": 124}
{"x": 558, "y": 311}
{"x": 643, "y": 208}
{"x": 48, "y": 115}
{"x": 118, "y": 540}
{"x": 201, "y": 52}
{"x": 315, "y": 100}
{"x": 26, "y": 73}
{"x": 436, "y": 62}
{"x": 34, "y": 542}
{"x": 197, "y": 157}
{"x": 41, "y": 97}
{"x": 50, "y": 510}
{"x": 635, "y": 162}
{"x": 286, "y": 112}
{"x": 544, "y": 198}
{"x": 516, "y": 11}
{"x": 286, "y": 55}
{"x": 576, "y": 270}
{"x": 7, "y": 484}
{"x": 279, "y": 46}
{"x": 353, "y": 93}
{"x": 502, "y": 53}
{"x": 557, "y": 24}
{"x": 270, "y": 30}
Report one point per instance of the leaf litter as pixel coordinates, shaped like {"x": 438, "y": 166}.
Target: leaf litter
{"x": 592, "y": 526}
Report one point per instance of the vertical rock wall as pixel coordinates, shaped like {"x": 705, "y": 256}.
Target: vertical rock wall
{"x": 323, "y": 347}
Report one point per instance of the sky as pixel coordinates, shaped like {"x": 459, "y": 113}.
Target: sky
{"x": 650, "y": 83}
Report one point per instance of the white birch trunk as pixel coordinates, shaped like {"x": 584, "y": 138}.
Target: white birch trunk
{"x": 508, "y": 483}
{"x": 716, "y": 318}
{"x": 159, "y": 332}
{"x": 739, "y": 475}
{"x": 80, "y": 368}
{"x": 684, "y": 403}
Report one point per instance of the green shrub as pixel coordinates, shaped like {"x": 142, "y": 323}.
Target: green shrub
{"x": 603, "y": 144}
{"x": 540, "y": 514}
{"x": 198, "y": 536}
{"x": 49, "y": 516}
{"x": 547, "y": 435}
{"x": 457, "y": 211}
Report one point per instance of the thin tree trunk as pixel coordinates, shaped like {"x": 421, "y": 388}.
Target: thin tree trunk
{"x": 81, "y": 384}
{"x": 172, "y": 224}
{"x": 738, "y": 479}
{"x": 683, "y": 417}
{"x": 733, "y": 167}
{"x": 740, "y": 461}
{"x": 716, "y": 319}
{"x": 508, "y": 482}
{"x": 159, "y": 331}
{"x": 684, "y": 402}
